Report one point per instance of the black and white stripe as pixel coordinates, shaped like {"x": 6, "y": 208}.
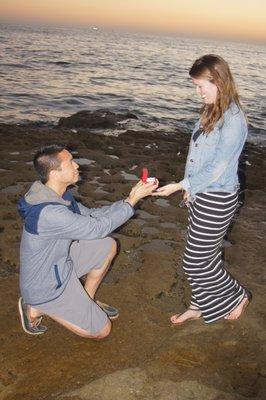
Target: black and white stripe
{"x": 214, "y": 291}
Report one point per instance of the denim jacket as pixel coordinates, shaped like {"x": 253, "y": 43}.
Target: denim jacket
{"x": 212, "y": 161}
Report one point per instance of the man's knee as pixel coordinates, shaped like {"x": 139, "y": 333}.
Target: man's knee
{"x": 104, "y": 332}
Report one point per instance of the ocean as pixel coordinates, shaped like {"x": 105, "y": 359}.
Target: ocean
{"x": 50, "y": 72}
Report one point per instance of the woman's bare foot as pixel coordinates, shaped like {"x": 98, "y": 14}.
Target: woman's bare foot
{"x": 188, "y": 315}
{"x": 238, "y": 311}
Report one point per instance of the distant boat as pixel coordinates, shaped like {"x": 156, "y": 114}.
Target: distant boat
{"x": 94, "y": 28}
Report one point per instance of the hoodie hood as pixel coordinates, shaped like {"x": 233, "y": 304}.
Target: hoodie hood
{"x": 39, "y": 193}
{"x": 38, "y": 197}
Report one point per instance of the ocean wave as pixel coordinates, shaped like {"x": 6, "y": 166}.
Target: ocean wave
{"x": 73, "y": 101}
{"x": 15, "y": 65}
{"x": 61, "y": 63}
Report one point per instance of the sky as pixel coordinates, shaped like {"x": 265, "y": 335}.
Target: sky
{"x": 242, "y": 20}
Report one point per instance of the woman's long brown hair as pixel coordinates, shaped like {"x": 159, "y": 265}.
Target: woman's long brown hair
{"x": 217, "y": 71}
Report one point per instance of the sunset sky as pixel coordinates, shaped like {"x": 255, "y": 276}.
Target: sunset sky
{"x": 233, "y": 19}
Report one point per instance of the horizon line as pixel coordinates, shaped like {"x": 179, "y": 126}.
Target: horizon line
{"x": 125, "y": 29}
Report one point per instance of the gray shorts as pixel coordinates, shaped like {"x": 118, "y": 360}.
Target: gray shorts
{"x": 74, "y": 304}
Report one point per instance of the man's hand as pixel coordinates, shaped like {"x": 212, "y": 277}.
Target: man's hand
{"x": 167, "y": 189}
{"x": 141, "y": 190}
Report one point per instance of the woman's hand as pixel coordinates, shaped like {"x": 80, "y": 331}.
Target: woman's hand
{"x": 185, "y": 201}
{"x": 167, "y": 189}
{"x": 185, "y": 196}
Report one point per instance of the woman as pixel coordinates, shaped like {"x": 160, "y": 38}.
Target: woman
{"x": 211, "y": 191}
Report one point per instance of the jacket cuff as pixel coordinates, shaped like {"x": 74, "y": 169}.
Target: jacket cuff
{"x": 185, "y": 184}
{"x": 132, "y": 208}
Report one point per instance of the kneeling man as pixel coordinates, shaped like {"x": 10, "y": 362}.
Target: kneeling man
{"x": 62, "y": 241}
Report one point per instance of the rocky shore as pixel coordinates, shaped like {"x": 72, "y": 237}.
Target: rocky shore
{"x": 144, "y": 357}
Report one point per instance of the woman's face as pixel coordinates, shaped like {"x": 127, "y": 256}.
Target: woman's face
{"x": 206, "y": 89}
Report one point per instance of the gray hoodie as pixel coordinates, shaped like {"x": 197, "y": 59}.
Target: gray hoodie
{"x": 51, "y": 223}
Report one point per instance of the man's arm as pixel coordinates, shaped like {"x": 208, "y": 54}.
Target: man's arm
{"x": 137, "y": 192}
{"x": 95, "y": 212}
{"x": 57, "y": 221}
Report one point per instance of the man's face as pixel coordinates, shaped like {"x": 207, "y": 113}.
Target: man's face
{"x": 68, "y": 171}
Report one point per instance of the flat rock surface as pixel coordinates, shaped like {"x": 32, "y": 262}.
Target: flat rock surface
{"x": 144, "y": 357}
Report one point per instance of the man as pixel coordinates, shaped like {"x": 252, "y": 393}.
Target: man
{"x": 62, "y": 241}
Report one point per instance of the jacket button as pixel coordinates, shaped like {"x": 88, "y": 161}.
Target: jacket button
{"x": 191, "y": 160}
{"x": 189, "y": 175}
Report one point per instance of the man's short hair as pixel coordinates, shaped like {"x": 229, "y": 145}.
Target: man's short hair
{"x": 46, "y": 159}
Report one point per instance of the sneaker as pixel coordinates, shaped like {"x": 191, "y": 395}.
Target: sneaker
{"x": 27, "y": 326}
{"x": 110, "y": 311}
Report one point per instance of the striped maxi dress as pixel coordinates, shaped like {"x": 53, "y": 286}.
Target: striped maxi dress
{"x": 214, "y": 291}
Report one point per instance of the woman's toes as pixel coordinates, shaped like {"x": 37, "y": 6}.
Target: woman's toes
{"x": 188, "y": 315}
{"x": 174, "y": 318}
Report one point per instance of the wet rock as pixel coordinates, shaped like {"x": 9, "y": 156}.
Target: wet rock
{"x": 226, "y": 243}
{"x": 94, "y": 119}
{"x": 161, "y": 246}
{"x": 146, "y": 283}
{"x": 135, "y": 383}
{"x": 150, "y": 231}
{"x": 6, "y": 269}
{"x": 162, "y": 202}
{"x": 145, "y": 215}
